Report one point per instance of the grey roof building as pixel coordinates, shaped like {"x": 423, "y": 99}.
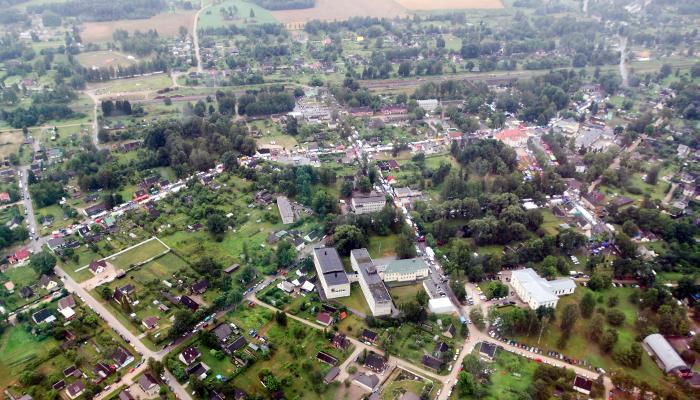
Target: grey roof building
{"x": 372, "y": 285}
{"x": 331, "y": 273}
{"x": 666, "y": 355}
{"x": 286, "y": 210}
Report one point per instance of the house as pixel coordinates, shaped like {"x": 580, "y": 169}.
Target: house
{"x": 26, "y": 292}
{"x": 373, "y": 288}
{"x": 369, "y": 336}
{"x": 189, "y": 303}
{"x": 20, "y": 256}
{"x": 67, "y": 313}
{"x": 331, "y": 273}
{"x": 198, "y": 370}
{"x": 512, "y": 137}
{"x": 340, "y": 341}
{"x": 450, "y": 332}
{"x": 367, "y": 381}
{"x": 43, "y": 316}
{"x": 97, "y": 266}
{"x": 326, "y": 358}
{"x": 583, "y": 385}
{"x": 231, "y": 268}
{"x": 122, "y": 357}
{"x": 125, "y": 395}
{"x": 239, "y": 394}
{"x": 331, "y": 375}
{"x": 222, "y": 332}
{"x": 189, "y": 355}
{"x": 140, "y": 195}
{"x": 487, "y": 350}
{"x": 324, "y": 319}
{"x": 621, "y": 201}
{"x": 431, "y": 362}
{"x": 121, "y": 294}
{"x": 236, "y": 344}
{"x": 200, "y": 287}
{"x": 47, "y": 283}
{"x": 537, "y": 291}
{"x": 286, "y": 286}
{"x": 409, "y": 396}
{"x": 368, "y": 203}
{"x": 150, "y": 322}
{"x": 59, "y": 385}
{"x": 148, "y": 384}
{"x": 94, "y": 210}
{"x": 440, "y": 349}
{"x": 285, "y": 209}
{"x": 75, "y": 389}
{"x": 4, "y": 197}
{"x": 375, "y": 362}
{"x": 102, "y": 371}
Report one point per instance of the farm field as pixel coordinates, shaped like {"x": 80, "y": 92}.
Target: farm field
{"x": 167, "y": 24}
{"x": 138, "y": 254}
{"x": 213, "y": 17}
{"x": 429, "y": 5}
{"x": 328, "y": 10}
{"x": 150, "y": 82}
{"x": 101, "y": 59}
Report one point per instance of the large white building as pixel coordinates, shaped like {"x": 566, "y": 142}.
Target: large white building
{"x": 331, "y": 273}
{"x": 666, "y": 356}
{"x": 537, "y": 291}
{"x": 373, "y": 287}
{"x": 411, "y": 269}
{"x": 369, "y": 203}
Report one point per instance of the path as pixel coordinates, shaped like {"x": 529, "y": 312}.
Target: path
{"x": 195, "y": 36}
{"x": 95, "y": 125}
{"x": 669, "y": 195}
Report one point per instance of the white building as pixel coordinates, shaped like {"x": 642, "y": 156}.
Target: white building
{"x": 666, "y": 356}
{"x": 404, "y": 270}
{"x": 372, "y": 202}
{"x": 537, "y": 291}
{"x": 286, "y": 210}
{"x": 331, "y": 273}
{"x": 373, "y": 287}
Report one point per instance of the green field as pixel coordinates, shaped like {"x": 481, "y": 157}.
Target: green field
{"x": 213, "y": 17}
{"x": 138, "y": 254}
{"x": 17, "y": 347}
{"x": 513, "y": 376}
{"x": 404, "y": 294}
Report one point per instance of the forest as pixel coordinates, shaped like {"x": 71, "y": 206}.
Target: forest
{"x": 99, "y": 10}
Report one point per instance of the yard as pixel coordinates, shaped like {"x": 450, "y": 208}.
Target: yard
{"x": 17, "y": 348}
{"x": 406, "y": 293}
{"x": 356, "y": 301}
{"x": 382, "y": 246}
{"x": 512, "y": 376}
{"x": 10, "y": 141}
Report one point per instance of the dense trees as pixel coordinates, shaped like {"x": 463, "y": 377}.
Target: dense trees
{"x": 265, "y": 103}
{"x": 97, "y": 10}
{"x": 348, "y": 237}
{"x": 285, "y": 4}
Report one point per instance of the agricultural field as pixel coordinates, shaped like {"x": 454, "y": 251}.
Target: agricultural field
{"x": 167, "y": 24}
{"x": 102, "y": 59}
{"x": 141, "y": 83}
{"x": 329, "y": 10}
{"x": 433, "y": 5}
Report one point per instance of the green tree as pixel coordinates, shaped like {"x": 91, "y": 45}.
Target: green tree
{"x": 43, "y": 262}
{"x": 285, "y": 254}
{"x": 323, "y": 203}
{"x": 466, "y": 384}
{"x": 405, "y": 248}
{"x": 348, "y": 237}
{"x": 615, "y": 317}
{"x": 477, "y": 317}
{"x": 587, "y": 305}
{"x": 568, "y": 318}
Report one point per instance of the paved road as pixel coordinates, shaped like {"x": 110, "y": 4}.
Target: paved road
{"x": 34, "y": 245}
{"x": 195, "y": 37}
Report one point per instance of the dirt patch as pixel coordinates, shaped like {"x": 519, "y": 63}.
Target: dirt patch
{"x": 328, "y": 10}
{"x": 449, "y": 4}
{"x": 167, "y": 24}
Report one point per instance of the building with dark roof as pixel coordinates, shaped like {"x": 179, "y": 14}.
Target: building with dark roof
{"x": 431, "y": 362}
{"x": 583, "y": 385}
{"x": 148, "y": 384}
{"x": 75, "y": 389}
{"x": 340, "y": 341}
{"x": 487, "y": 349}
{"x": 189, "y": 355}
{"x": 326, "y": 358}
{"x": 236, "y": 344}
{"x": 286, "y": 210}
{"x": 222, "y": 332}
{"x": 26, "y": 292}
{"x": 331, "y": 375}
{"x": 369, "y": 336}
{"x": 331, "y": 273}
{"x": 189, "y": 303}
{"x": 200, "y": 287}
{"x": 43, "y": 316}
{"x": 375, "y": 362}
{"x": 374, "y": 289}
{"x": 122, "y": 357}
{"x": 97, "y": 266}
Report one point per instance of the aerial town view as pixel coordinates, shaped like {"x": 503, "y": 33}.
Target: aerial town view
{"x": 349, "y": 200}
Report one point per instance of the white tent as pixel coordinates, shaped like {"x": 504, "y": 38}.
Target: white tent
{"x": 442, "y": 305}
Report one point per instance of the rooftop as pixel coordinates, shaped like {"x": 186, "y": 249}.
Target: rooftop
{"x": 405, "y": 266}
{"x": 369, "y": 274}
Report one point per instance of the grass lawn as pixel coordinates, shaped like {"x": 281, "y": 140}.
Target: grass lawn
{"x": 356, "y": 300}
{"x": 506, "y": 384}
{"x": 152, "y": 82}
{"x": 21, "y": 276}
{"x": 138, "y": 254}
{"x": 382, "y": 246}
{"x": 406, "y": 293}
{"x": 550, "y": 222}
{"x": 401, "y": 382}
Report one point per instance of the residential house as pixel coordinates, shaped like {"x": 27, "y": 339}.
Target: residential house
{"x": 150, "y": 322}
{"x": 583, "y": 385}
{"x": 26, "y": 292}
{"x": 369, "y": 336}
{"x": 431, "y": 362}
{"x": 43, "y": 316}
{"x": 487, "y": 350}
{"x": 375, "y": 362}
{"x": 200, "y": 287}
{"x": 97, "y": 266}
{"x": 222, "y": 332}
{"x": 122, "y": 357}
{"x": 148, "y": 384}
{"x": 235, "y": 344}
{"x": 285, "y": 209}
{"x": 198, "y": 370}
{"x": 367, "y": 381}
{"x": 326, "y": 358}
{"x": 75, "y": 389}
{"x": 46, "y": 283}
{"x": 189, "y": 303}
{"x": 189, "y": 355}
{"x": 324, "y": 319}
{"x": 340, "y": 341}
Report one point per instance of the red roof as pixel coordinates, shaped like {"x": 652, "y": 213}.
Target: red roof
{"x": 4, "y": 196}
{"x": 324, "y": 318}
{"x": 511, "y": 134}
{"x": 22, "y": 254}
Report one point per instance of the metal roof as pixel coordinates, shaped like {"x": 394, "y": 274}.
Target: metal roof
{"x": 664, "y": 352}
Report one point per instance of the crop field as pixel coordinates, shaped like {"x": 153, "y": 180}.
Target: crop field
{"x": 167, "y": 24}
{"x": 329, "y": 10}
{"x": 429, "y": 5}
{"x": 102, "y": 59}
{"x": 214, "y": 17}
{"x": 10, "y": 142}
{"x": 138, "y": 254}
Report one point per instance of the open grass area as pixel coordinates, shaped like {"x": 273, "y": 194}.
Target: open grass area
{"x": 105, "y": 59}
{"x": 406, "y": 293}
{"x": 166, "y": 23}
{"x": 10, "y": 141}
{"x": 513, "y": 375}
{"x": 139, "y": 254}
{"x": 356, "y": 301}
{"x": 247, "y": 13}
{"x": 550, "y": 222}
{"x": 382, "y": 246}
{"x": 151, "y": 82}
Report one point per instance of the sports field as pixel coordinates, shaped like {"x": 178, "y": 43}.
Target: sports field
{"x": 138, "y": 254}
{"x": 102, "y": 59}
{"x": 167, "y": 24}
{"x": 428, "y": 5}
